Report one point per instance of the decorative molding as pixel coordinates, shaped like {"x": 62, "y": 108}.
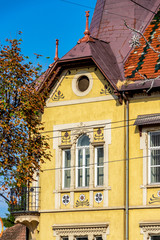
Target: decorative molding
{"x": 79, "y": 129}
{"x": 85, "y": 209}
{"x": 80, "y": 229}
{"x": 81, "y": 101}
{"x": 150, "y": 228}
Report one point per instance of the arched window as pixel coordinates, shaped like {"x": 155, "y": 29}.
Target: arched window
{"x": 82, "y": 161}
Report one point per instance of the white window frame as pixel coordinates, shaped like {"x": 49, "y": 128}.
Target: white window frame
{"x": 149, "y": 157}
{"x": 83, "y": 165}
{"x": 96, "y": 166}
{"x": 64, "y": 168}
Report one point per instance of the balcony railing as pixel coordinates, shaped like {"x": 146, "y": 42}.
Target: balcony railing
{"x": 25, "y": 199}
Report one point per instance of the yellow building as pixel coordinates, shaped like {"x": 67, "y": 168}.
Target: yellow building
{"x": 102, "y": 117}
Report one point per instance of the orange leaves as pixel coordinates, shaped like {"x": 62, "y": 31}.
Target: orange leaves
{"x": 21, "y": 147}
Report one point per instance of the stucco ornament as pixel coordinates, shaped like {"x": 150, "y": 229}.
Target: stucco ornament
{"x": 98, "y": 197}
{"x": 65, "y": 199}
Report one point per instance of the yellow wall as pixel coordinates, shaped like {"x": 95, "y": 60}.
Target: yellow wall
{"x": 109, "y": 109}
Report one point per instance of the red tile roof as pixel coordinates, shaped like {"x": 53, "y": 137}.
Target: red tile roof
{"x": 17, "y": 232}
{"x": 143, "y": 59}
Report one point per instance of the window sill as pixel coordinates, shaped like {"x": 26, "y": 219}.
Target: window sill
{"x": 84, "y": 189}
{"x": 157, "y": 185}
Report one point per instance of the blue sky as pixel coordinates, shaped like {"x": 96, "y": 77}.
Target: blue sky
{"x": 41, "y": 22}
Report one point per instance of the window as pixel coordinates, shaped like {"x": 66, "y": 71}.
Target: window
{"x": 99, "y": 166}
{"x": 82, "y": 161}
{"x": 83, "y": 83}
{"x": 66, "y": 168}
{"x": 154, "y": 157}
{"x": 155, "y": 237}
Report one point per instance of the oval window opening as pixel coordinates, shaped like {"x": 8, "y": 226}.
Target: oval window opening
{"x": 83, "y": 83}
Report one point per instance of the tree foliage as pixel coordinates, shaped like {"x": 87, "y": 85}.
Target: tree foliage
{"x": 22, "y": 147}
{"x": 8, "y": 221}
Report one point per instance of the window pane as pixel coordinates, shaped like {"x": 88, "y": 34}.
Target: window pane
{"x": 67, "y": 158}
{"x": 82, "y": 238}
{"x": 99, "y": 238}
{"x": 87, "y": 157}
{"x": 100, "y": 176}
{"x": 83, "y": 141}
{"x": 65, "y": 238}
{"x": 86, "y": 177}
{"x": 155, "y": 238}
{"x": 100, "y": 156}
{"x": 155, "y": 174}
{"x": 155, "y": 157}
{"x": 80, "y": 157}
{"x": 80, "y": 176}
{"x": 155, "y": 139}
{"x": 67, "y": 178}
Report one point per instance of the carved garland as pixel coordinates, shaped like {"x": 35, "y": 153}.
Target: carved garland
{"x": 80, "y": 230}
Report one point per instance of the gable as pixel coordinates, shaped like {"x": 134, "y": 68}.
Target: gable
{"x": 67, "y": 88}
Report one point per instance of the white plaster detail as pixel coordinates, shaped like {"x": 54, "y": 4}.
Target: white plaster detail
{"x": 71, "y": 199}
{"x": 149, "y": 229}
{"x": 105, "y": 198}
{"x": 81, "y": 229}
{"x": 81, "y": 101}
{"x": 91, "y": 199}
{"x": 30, "y": 221}
{"x": 75, "y": 81}
{"x": 76, "y": 130}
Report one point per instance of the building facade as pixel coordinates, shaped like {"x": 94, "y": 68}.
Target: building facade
{"x": 102, "y": 117}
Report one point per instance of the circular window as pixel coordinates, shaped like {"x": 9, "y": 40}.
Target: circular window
{"x": 83, "y": 83}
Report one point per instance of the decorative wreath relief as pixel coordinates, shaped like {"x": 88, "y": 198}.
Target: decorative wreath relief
{"x": 65, "y": 199}
{"x": 98, "y": 197}
{"x": 82, "y": 197}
